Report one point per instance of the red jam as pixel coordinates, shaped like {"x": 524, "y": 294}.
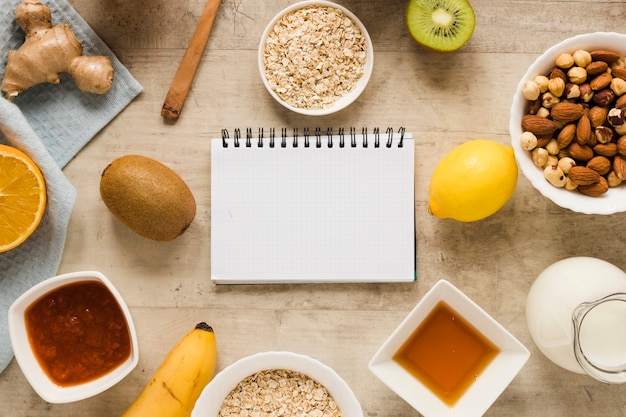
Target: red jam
{"x": 78, "y": 332}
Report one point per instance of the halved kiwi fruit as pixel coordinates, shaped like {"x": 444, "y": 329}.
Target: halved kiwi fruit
{"x": 441, "y": 25}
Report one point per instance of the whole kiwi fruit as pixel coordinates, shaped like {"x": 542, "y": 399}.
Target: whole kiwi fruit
{"x": 147, "y": 197}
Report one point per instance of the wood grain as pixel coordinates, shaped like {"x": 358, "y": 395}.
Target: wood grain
{"x": 443, "y": 99}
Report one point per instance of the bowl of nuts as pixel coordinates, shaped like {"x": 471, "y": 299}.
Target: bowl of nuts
{"x": 567, "y": 123}
{"x": 277, "y": 384}
{"x": 315, "y": 57}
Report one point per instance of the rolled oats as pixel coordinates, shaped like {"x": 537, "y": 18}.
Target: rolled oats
{"x": 314, "y": 56}
{"x": 279, "y": 392}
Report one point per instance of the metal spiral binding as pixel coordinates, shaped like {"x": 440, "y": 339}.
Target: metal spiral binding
{"x": 317, "y": 138}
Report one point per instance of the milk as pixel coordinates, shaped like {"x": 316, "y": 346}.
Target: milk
{"x": 602, "y": 335}
{"x": 554, "y": 296}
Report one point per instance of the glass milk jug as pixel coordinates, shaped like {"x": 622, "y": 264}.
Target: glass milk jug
{"x": 576, "y": 315}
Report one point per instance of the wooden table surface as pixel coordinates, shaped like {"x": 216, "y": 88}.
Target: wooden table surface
{"x": 444, "y": 100}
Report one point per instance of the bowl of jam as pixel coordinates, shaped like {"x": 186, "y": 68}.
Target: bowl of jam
{"x": 73, "y": 336}
{"x": 448, "y": 357}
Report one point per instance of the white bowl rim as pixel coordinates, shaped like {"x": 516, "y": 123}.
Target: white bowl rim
{"x": 38, "y": 380}
{"x": 212, "y": 396}
{"x": 342, "y": 102}
{"x": 614, "y": 200}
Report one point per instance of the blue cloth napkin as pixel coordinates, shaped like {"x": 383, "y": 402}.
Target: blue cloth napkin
{"x": 62, "y": 116}
{"x": 39, "y": 256}
{"x": 51, "y": 123}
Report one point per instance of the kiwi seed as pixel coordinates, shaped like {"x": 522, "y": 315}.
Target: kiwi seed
{"x": 441, "y": 25}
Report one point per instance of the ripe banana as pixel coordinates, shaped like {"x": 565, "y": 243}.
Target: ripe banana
{"x": 181, "y": 377}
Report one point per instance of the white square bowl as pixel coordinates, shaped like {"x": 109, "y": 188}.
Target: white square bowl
{"x": 484, "y": 390}
{"x": 26, "y": 359}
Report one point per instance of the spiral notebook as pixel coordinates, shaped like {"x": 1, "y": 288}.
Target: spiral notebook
{"x": 312, "y": 206}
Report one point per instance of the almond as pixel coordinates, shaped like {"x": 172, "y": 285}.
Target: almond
{"x": 596, "y": 189}
{"x": 606, "y": 149}
{"x": 605, "y": 55}
{"x": 619, "y": 166}
{"x": 538, "y": 125}
{"x": 597, "y": 115}
{"x": 619, "y": 73}
{"x": 581, "y": 175}
{"x": 600, "y": 164}
{"x": 543, "y": 140}
{"x": 620, "y": 103}
{"x": 583, "y": 130}
{"x": 579, "y": 152}
{"x": 601, "y": 81}
{"x": 621, "y": 146}
{"x": 566, "y": 135}
{"x": 596, "y": 67}
{"x": 566, "y": 112}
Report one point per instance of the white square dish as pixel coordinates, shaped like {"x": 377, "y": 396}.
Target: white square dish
{"x": 27, "y": 359}
{"x": 484, "y": 390}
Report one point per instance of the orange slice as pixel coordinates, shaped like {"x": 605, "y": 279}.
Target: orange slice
{"x": 22, "y": 197}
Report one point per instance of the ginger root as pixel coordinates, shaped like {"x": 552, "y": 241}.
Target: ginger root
{"x": 48, "y": 51}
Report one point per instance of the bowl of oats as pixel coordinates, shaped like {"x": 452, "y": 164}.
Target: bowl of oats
{"x": 567, "y": 123}
{"x": 277, "y": 383}
{"x": 315, "y": 57}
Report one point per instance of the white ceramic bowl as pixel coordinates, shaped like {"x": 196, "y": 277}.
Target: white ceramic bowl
{"x": 210, "y": 401}
{"x": 614, "y": 200}
{"x": 342, "y": 102}
{"x": 41, "y": 383}
{"x": 483, "y": 391}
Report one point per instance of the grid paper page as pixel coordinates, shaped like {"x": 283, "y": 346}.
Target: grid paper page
{"x": 309, "y": 214}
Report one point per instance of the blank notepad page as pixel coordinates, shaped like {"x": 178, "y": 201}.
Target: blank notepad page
{"x": 312, "y": 214}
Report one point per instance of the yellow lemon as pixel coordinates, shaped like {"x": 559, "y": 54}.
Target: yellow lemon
{"x": 473, "y": 181}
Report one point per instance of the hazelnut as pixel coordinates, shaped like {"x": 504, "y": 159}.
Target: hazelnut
{"x": 569, "y": 185}
{"x": 612, "y": 179}
{"x": 556, "y": 86}
{"x": 603, "y": 134}
{"x": 618, "y": 86}
{"x": 553, "y": 147}
{"x": 542, "y": 82}
{"x": 564, "y": 60}
{"x": 577, "y": 75}
{"x": 543, "y": 112}
{"x": 528, "y": 141}
{"x": 554, "y": 175}
{"x": 566, "y": 163}
{"x": 530, "y": 90}
{"x": 615, "y": 117}
{"x": 604, "y": 97}
{"x": 549, "y": 99}
{"x": 586, "y": 93}
{"x": 539, "y": 156}
{"x": 621, "y": 129}
{"x": 582, "y": 58}
{"x": 557, "y": 73}
{"x": 572, "y": 91}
